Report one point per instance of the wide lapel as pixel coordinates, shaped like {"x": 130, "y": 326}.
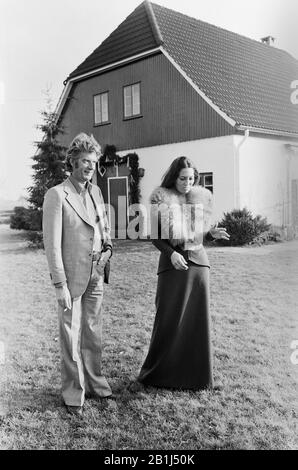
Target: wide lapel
{"x": 95, "y": 196}
{"x": 100, "y": 209}
{"x": 75, "y": 201}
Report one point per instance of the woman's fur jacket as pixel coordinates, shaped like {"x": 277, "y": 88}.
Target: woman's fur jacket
{"x": 183, "y": 219}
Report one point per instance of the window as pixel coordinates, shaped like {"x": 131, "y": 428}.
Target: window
{"x": 101, "y": 108}
{"x": 132, "y": 102}
{"x": 206, "y": 180}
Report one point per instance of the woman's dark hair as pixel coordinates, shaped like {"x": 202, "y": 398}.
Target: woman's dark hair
{"x": 171, "y": 175}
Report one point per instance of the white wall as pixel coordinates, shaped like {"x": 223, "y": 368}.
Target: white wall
{"x": 265, "y": 174}
{"x": 209, "y": 155}
{"x": 257, "y": 174}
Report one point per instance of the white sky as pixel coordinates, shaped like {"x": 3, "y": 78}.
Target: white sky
{"x": 42, "y": 41}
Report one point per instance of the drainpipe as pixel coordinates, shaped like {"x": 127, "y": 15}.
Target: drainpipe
{"x": 288, "y": 201}
{"x": 237, "y": 170}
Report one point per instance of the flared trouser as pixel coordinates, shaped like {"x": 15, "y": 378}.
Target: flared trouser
{"x": 80, "y": 331}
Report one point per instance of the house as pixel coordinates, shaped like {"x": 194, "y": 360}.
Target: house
{"x": 164, "y": 85}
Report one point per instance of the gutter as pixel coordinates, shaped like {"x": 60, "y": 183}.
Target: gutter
{"x": 68, "y": 84}
{"x": 113, "y": 65}
{"x": 69, "y": 81}
{"x": 237, "y": 169}
{"x": 260, "y": 130}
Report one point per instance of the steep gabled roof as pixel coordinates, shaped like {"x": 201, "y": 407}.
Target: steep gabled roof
{"x": 136, "y": 34}
{"x": 247, "y": 80}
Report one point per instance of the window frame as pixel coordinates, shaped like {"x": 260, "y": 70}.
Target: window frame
{"x": 202, "y": 177}
{"x": 102, "y": 123}
{"x": 132, "y": 116}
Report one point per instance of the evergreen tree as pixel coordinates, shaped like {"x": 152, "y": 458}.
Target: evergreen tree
{"x": 49, "y": 170}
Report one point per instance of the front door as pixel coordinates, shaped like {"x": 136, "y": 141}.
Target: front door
{"x": 117, "y": 209}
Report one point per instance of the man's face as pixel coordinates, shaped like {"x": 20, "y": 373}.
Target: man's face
{"x": 84, "y": 166}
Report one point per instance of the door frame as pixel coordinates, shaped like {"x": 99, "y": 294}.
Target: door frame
{"x": 109, "y": 193}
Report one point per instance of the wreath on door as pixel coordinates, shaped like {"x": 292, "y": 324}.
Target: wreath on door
{"x": 131, "y": 160}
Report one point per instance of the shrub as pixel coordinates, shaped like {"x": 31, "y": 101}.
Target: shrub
{"x": 243, "y": 227}
{"x": 35, "y": 239}
{"x": 26, "y": 219}
{"x": 269, "y": 236}
{"x": 31, "y": 221}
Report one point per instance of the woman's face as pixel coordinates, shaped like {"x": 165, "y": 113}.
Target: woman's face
{"x": 185, "y": 180}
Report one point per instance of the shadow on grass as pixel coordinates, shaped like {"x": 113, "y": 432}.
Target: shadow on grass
{"x": 129, "y": 390}
{"x": 39, "y": 399}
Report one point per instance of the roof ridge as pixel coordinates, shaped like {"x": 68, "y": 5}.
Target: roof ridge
{"x": 153, "y": 22}
{"x": 223, "y": 29}
{"x": 120, "y": 43}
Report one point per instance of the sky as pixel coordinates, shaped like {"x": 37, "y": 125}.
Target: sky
{"x": 43, "y": 41}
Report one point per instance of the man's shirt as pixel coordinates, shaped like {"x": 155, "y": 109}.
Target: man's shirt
{"x": 85, "y": 195}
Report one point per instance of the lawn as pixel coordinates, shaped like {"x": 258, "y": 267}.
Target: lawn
{"x": 254, "y": 295}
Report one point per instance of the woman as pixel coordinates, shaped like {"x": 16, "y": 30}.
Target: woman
{"x": 180, "y": 352}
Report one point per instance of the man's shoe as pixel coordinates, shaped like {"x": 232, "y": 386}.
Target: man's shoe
{"x": 136, "y": 386}
{"x": 218, "y": 387}
{"x": 75, "y": 410}
{"x": 109, "y": 397}
{"x": 97, "y": 397}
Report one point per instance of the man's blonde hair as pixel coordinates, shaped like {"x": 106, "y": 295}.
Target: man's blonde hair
{"x": 80, "y": 144}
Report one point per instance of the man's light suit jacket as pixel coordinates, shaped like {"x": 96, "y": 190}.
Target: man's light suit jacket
{"x": 68, "y": 235}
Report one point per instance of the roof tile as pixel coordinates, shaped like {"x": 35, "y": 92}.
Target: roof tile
{"x": 248, "y": 80}
{"x": 133, "y": 36}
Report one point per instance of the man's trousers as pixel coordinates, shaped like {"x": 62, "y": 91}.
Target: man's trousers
{"x": 81, "y": 345}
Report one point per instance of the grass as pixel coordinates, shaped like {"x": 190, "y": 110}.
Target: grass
{"x": 254, "y": 320}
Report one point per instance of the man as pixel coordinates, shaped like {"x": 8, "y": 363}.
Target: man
{"x": 78, "y": 247}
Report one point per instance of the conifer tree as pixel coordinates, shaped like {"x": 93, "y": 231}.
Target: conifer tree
{"x": 49, "y": 170}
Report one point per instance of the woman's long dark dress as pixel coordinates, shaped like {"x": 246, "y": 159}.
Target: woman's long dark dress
{"x": 179, "y": 355}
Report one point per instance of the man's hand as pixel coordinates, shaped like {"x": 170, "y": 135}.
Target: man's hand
{"x": 105, "y": 256}
{"x": 178, "y": 261}
{"x": 63, "y": 297}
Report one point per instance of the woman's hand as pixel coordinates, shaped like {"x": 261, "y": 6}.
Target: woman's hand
{"x": 178, "y": 261}
{"x": 219, "y": 233}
